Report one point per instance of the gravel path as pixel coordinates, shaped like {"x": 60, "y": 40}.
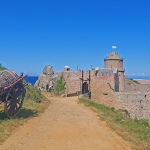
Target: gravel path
{"x": 65, "y": 125}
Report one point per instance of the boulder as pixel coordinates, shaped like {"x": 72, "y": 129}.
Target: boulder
{"x": 48, "y": 70}
{"x": 41, "y": 82}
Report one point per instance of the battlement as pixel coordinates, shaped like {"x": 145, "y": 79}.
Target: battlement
{"x": 113, "y": 55}
{"x": 105, "y": 72}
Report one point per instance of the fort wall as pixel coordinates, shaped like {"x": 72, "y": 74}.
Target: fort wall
{"x": 72, "y": 80}
{"x": 138, "y": 87}
{"x": 103, "y": 87}
{"x": 137, "y": 104}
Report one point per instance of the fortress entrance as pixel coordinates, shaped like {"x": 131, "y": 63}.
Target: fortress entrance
{"x": 84, "y": 88}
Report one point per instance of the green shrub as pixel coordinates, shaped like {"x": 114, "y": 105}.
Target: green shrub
{"x": 112, "y": 108}
{"x": 33, "y": 93}
{"x": 60, "y": 86}
{"x": 2, "y": 68}
{"x": 136, "y": 82}
{"x": 126, "y": 111}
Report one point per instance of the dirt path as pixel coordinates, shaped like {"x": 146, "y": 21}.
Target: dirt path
{"x": 65, "y": 125}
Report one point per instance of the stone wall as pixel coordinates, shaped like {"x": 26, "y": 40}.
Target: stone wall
{"x": 103, "y": 87}
{"x": 137, "y": 104}
{"x": 72, "y": 80}
{"x": 138, "y": 87}
{"x": 114, "y": 63}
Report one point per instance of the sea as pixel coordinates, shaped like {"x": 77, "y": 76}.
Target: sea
{"x": 138, "y": 77}
{"x": 32, "y": 79}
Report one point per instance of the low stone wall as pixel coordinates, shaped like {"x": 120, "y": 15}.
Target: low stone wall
{"x": 137, "y": 104}
{"x": 138, "y": 87}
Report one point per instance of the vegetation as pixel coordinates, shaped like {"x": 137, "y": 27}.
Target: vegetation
{"x": 136, "y": 82}
{"x": 33, "y": 93}
{"x": 130, "y": 81}
{"x": 2, "y": 68}
{"x": 110, "y": 86}
{"x": 137, "y": 131}
{"x": 60, "y": 86}
{"x": 34, "y": 103}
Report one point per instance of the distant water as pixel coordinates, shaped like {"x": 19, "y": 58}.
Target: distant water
{"x": 31, "y": 79}
{"x": 138, "y": 77}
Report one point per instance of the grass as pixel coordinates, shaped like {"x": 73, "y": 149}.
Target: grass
{"x": 136, "y": 131}
{"x": 136, "y": 82}
{"x": 130, "y": 81}
{"x": 34, "y": 104}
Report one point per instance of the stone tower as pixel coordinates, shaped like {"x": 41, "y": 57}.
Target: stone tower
{"x": 114, "y": 61}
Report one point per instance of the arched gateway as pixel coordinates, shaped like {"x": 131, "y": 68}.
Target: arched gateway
{"x": 84, "y": 88}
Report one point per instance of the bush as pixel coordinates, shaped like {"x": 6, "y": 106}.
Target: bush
{"x": 2, "y": 68}
{"x": 33, "y": 93}
{"x": 136, "y": 82}
{"x": 60, "y": 86}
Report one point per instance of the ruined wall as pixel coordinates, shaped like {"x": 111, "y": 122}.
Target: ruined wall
{"x": 137, "y": 104}
{"x": 138, "y": 87}
{"x": 102, "y": 88}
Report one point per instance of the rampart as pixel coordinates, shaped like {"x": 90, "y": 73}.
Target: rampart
{"x": 138, "y": 87}
{"x": 137, "y": 104}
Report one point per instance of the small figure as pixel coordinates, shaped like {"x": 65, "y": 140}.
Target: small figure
{"x": 47, "y": 87}
{"x": 39, "y": 88}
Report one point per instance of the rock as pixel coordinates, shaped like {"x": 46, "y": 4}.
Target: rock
{"x": 41, "y": 82}
{"x": 46, "y": 77}
{"x": 48, "y": 70}
{"x": 63, "y": 95}
{"x": 125, "y": 114}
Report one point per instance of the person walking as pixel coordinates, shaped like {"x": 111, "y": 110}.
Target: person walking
{"x": 47, "y": 87}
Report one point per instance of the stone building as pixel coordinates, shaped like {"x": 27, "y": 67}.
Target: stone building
{"x": 114, "y": 61}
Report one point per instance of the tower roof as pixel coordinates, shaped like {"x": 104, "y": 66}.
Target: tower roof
{"x": 113, "y": 55}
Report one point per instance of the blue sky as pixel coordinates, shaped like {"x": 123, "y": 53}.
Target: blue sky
{"x": 35, "y": 33}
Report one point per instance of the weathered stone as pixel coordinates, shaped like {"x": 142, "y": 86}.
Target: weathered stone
{"x": 63, "y": 95}
{"x": 41, "y": 82}
{"x": 48, "y": 70}
{"x": 46, "y": 77}
{"x": 125, "y": 114}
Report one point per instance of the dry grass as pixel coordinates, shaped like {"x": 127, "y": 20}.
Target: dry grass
{"x": 129, "y": 81}
{"x": 29, "y": 109}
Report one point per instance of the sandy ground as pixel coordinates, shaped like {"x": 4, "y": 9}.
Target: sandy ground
{"x": 65, "y": 125}
{"x": 143, "y": 81}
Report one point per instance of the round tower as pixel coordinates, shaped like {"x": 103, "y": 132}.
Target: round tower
{"x": 114, "y": 61}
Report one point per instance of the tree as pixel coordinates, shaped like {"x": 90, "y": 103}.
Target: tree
{"x": 60, "y": 86}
